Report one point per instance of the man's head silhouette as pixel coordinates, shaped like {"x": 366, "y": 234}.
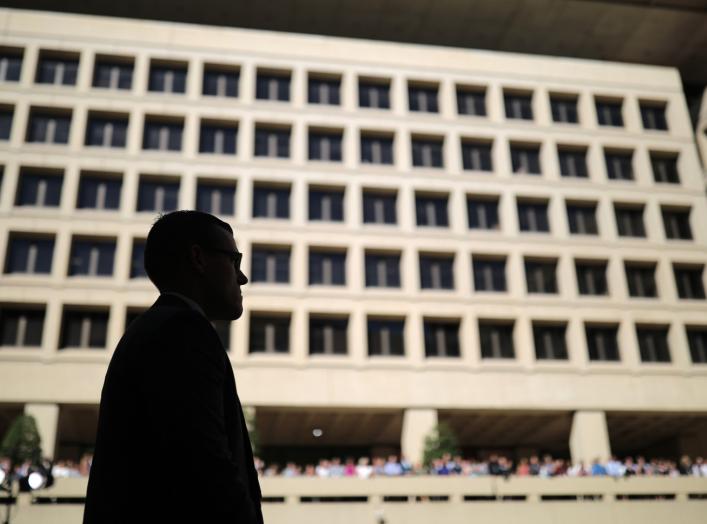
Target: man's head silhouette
{"x": 195, "y": 254}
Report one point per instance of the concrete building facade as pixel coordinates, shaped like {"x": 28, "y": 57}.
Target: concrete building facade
{"x": 511, "y": 244}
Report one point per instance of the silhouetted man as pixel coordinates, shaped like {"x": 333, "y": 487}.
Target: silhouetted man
{"x": 172, "y": 444}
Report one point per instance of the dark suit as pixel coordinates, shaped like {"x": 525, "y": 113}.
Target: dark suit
{"x": 172, "y": 445}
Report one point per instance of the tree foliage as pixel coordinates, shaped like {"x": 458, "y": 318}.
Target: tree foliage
{"x": 22, "y": 442}
{"x": 439, "y": 441}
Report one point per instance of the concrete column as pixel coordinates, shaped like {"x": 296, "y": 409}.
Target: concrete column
{"x": 589, "y": 437}
{"x": 417, "y": 424}
{"x": 47, "y": 417}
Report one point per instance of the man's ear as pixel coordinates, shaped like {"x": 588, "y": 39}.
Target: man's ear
{"x": 197, "y": 261}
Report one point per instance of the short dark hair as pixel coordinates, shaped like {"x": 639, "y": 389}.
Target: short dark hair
{"x": 169, "y": 240}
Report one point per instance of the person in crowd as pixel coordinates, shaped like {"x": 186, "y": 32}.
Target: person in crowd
{"x": 699, "y": 468}
{"x": 291, "y": 470}
{"x": 577, "y": 470}
{"x": 392, "y": 467}
{"x": 614, "y": 467}
{"x": 598, "y": 469}
{"x": 523, "y": 469}
{"x": 534, "y": 465}
{"x": 547, "y": 468}
{"x": 323, "y": 470}
{"x": 364, "y": 469}
{"x": 378, "y": 466}
{"x": 310, "y": 470}
{"x": 685, "y": 465}
{"x": 336, "y": 469}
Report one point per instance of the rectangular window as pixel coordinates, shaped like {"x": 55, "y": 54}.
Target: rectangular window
{"x": 619, "y": 164}
{"x": 697, "y": 339}
{"x": 540, "y": 276}
{"x": 582, "y": 218}
{"x": 591, "y": 277}
{"x": 573, "y": 162}
{"x": 269, "y": 333}
{"x": 92, "y": 257}
{"x": 325, "y": 91}
{"x": 271, "y": 202}
{"x": 327, "y": 268}
{"x": 564, "y": 109}
{"x": 216, "y": 198}
{"x": 436, "y": 272}
{"x": 6, "y": 116}
{"x": 532, "y": 217}
{"x": 162, "y": 135}
{"x": 431, "y": 211}
{"x": 113, "y": 72}
{"x": 427, "y": 152}
{"x": 665, "y": 167}
{"x": 98, "y": 191}
{"x": 137, "y": 257}
{"x": 326, "y": 205}
{"x": 39, "y": 188}
{"x": 21, "y": 326}
{"x": 489, "y": 274}
{"x": 220, "y": 138}
{"x": 220, "y": 81}
{"x": 476, "y": 156}
{"x": 157, "y": 195}
{"x": 518, "y": 106}
{"x": 386, "y": 337}
{"x": 376, "y": 149}
{"x": 57, "y": 69}
{"x": 550, "y": 341}
{"x": 441, "y": 338}
{"x": 688, "y": 279}
{"x": 325, "y": 145}
{"x": 602, "y": 342}
{"x": 82, "y": 329}
{"x": 471, "y": 101}
{"x": 653, "y": 116}
{"x": 423, "y": 98}
{"x": 379, "y": 208}
{"x": 374, "y": 93}
{"x": 677, "y": 223}
{"x": 496, "y": 339}
{"x": 653, "y": 343}
{"x": 49, "y": 126}
{"x": 629, "y": 221}
{"x": 382, "y": 270}
{"x": 106, "y": 131}
{"x": 525, "y": 159}
{"x": 273, "y": 86}
{"x": 10, "y": 64}
{"x": 327, "y": 336}
{"x": 641, "y": 280}
{"x": 168, "y": 77}
{"x": 482, "y": 213}
{"x": 270, "y": 264}
{"x": 29, "y": 254}
{"x": 610, "y": 112}
{"x": 272, "y": 142}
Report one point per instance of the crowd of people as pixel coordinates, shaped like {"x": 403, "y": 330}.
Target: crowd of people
{"x": 497, "y": 465}
{"x": 392, "y": 466}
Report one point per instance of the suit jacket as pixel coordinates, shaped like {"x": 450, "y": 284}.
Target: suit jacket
{"x": 172, "y": 445}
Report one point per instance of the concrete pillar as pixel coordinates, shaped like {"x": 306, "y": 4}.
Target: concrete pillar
{"x": 47, "y": 417}
{"x": 589, "y": 437}
{"x": 417, "y": 424}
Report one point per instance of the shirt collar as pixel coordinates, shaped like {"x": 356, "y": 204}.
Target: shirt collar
{"x": 188, "y": 300}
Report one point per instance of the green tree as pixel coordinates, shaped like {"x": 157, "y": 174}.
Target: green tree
{"x": 439, "y": 441}
{"x": 249, "y": 415}
{"x": 22, "y": 441}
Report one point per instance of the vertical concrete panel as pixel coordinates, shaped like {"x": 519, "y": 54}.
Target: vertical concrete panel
{"x": 417, "y": 424}
{"x": 589, "y": 437}
{"x": 47, "y": 417}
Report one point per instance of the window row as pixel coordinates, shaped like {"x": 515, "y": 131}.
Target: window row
{"x": 222, "y": 80}
{"x": 22, "y": 326}
{"x": 162, "y": 133}
{"x": 103, "y": 191}
{"x": 94, "y": 256}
